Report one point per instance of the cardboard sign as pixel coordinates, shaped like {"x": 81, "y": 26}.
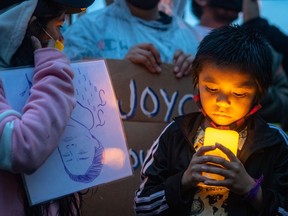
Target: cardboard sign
{"x": 93, "y": 148}
{"x": 143, "y": 96}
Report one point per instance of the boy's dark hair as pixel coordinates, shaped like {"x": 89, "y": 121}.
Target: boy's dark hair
{"x": 237, "y": 47}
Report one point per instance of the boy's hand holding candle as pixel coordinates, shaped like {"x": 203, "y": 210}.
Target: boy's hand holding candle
{"x": 227, "y": 138}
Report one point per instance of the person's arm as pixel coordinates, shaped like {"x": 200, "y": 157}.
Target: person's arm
{"x": 160, "y": 192}
{"x": 28, "y": 138}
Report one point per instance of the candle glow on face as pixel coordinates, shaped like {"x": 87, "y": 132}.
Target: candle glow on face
{"x": 227, "y": 138}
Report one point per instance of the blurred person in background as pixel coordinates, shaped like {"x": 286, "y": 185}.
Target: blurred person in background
{"x": 135, "y": 30}
{"x": 277, "y": 39}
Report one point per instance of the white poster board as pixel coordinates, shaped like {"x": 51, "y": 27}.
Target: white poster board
{"x": 97, "y": 154}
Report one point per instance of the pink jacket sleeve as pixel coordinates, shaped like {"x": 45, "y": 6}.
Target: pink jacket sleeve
{"x": 29, "y": 138}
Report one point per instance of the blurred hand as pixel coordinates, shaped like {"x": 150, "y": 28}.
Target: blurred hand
{"x": 250, "y": 10}
{"x": 35, "y": 43}
{"x": 182, "y": 63}
{"x": 147, "y": 55}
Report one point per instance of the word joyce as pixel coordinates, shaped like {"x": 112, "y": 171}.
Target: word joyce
{"x": 172, "y": 102}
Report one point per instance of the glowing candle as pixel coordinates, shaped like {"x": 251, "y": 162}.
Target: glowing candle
{"x": 227, "y": 138}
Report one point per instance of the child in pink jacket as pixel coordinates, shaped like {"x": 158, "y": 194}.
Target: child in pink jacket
{"x": 28, "y": 138}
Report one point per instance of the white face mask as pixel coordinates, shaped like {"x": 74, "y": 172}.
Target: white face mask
{"x": 58, "y": 44}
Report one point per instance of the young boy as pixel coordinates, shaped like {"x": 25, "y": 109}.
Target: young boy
{"x": 231, "y": 71}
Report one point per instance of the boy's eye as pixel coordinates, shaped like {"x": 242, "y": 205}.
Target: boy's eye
{"x": 211, "y": 89}
{"x": 239, "y": 94}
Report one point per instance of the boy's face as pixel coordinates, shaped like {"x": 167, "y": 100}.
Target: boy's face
{"x": 226, "y": 94}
